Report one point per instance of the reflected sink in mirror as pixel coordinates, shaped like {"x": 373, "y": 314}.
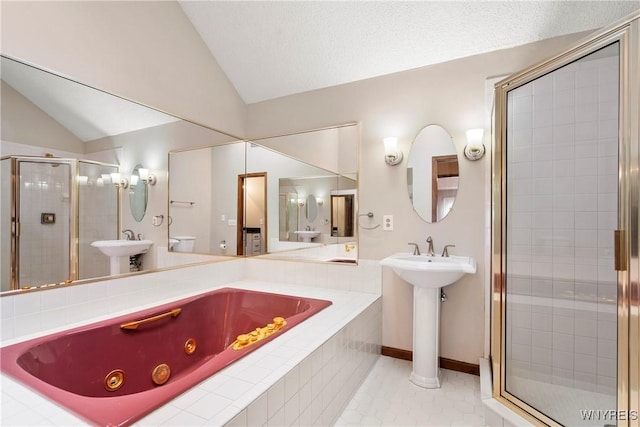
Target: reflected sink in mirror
{"x": 117, "y": 248}
{"x": 307, "y": 235}
{"x": 429, "y": 271}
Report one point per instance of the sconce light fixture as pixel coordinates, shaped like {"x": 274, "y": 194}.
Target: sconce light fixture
{"x": 300, "y": 202}
{"x": 392, "y": 155}
{"x": 146, "y": 177}
{"x": 83, "y": 180}
{"x": 474, "y": 150}
{"x": 119, "y": 182}
{"x": 320, "y": 202}
{"x": 134, "y": 180}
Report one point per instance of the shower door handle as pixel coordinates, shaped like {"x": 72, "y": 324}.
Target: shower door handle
{"x": 620, "y": 250}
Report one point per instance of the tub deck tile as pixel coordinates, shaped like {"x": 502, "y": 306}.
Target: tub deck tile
{"x": 249, "y": 377}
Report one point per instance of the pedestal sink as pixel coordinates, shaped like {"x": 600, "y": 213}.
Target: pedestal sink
{"x": 117, "y": 249}
{"x": 427, "y": 274}
{"x": 307, "y": 235}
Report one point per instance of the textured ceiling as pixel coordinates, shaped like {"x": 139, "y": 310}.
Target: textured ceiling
{"x": 270, "y": 49}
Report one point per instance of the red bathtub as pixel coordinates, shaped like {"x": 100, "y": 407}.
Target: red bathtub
{"x": 114, "y": 372}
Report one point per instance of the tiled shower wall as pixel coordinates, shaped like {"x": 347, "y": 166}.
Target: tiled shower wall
{"x": 44, "y": 247}
{"x": 98, "y": 219}
{"x": 562, "y": 209}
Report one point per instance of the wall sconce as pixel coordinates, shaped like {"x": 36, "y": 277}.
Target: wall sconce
{"x": 320, "y": 202}
{"x": 134, "y": 180}
{"x": 474, "y": 150}
{"x": 83, "y": 180}
{"x": 119, "y": 182}
{"x": 300, "y": 202}
{"x": 392, "y": 155}
{"x": 146, "y": 177}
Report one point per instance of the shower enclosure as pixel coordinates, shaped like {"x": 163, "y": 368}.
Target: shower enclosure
{"x": 51, "y": 209}
{"x": 565, "y": 325}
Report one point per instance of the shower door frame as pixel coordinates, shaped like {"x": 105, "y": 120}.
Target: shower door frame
{"x": 14, "y": 274}
{"x": 74, "y": 209}
{"x": 627, "y": 33}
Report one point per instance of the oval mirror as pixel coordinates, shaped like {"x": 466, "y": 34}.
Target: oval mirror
{"x": 138, "y": 195}
{"x": 312, "y": 207}
{"x": 432, "y": 173}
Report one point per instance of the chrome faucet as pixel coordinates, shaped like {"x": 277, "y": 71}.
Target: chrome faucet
{"x": 416, "y": 250}
{"x": 445, "y": 251}
{"x": 308, "y": 228}
{"x": 129, "y": 234}
{"x": 430, "y": 251}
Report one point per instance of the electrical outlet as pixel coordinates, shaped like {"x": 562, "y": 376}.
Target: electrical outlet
{"x": 387, "y": 222}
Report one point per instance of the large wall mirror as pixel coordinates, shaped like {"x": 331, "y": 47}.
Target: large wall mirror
{"x": 207, "y": 203}
{"x": 432, "y": 173}
{"x": 269, "y": 196}
{"x": 67, "y": 139}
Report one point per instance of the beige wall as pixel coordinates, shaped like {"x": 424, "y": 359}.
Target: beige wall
{"x": 145, "y": 51}
{"x": 452, "y": 95}
{"x": 23, "y": 122}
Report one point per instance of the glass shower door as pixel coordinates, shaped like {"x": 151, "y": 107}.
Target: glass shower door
{"x": 44, "y": 218}
{"x": 560, "y": 297}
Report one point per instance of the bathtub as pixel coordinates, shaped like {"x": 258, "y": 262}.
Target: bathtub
{"x": 114, "y": 372}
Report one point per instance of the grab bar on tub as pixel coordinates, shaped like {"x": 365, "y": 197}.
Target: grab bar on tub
{"x": 136, "y": 323}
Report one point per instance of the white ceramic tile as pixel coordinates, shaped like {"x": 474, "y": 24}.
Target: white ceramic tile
{"x": 586, "y": 346}
{"x": 257, "y": 412}
{"x": 234, "y": 389}
{"x": 184, "y": 418}
{"x": 522, "y": 137}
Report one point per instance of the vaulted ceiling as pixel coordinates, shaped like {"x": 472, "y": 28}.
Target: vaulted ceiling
{"x": 270, "y": 49}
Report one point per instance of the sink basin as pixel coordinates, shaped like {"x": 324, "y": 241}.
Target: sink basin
{"x": 429, "y": 271}
{"x": 428, "y": 274}
{"x": 307, "y": 235}
{"x": 117, "y": 248}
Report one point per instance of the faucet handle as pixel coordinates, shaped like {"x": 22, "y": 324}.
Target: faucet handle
{"x": 416, "y": 250}
{"x": 445, "y": 251}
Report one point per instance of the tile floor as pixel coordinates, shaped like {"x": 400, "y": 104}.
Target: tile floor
{"x": 388, "y": 398}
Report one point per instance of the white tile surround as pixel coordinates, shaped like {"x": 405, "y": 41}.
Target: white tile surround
{"x": 304, "y": 377}
{"x": 562, "y": 192}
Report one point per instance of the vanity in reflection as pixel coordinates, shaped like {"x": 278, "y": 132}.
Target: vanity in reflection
{"x": 227, "y": 197}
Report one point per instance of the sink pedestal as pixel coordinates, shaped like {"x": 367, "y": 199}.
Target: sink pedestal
{"x": 426, "y": 337}
{"x": 428, "y": 274}
{"x": 116, "y": 264}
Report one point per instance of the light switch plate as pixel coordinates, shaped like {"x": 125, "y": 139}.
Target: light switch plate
{"x": 387, "y": 222}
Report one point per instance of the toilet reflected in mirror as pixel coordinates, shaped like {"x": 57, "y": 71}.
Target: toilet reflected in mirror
{"x": 182, "y": 243}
